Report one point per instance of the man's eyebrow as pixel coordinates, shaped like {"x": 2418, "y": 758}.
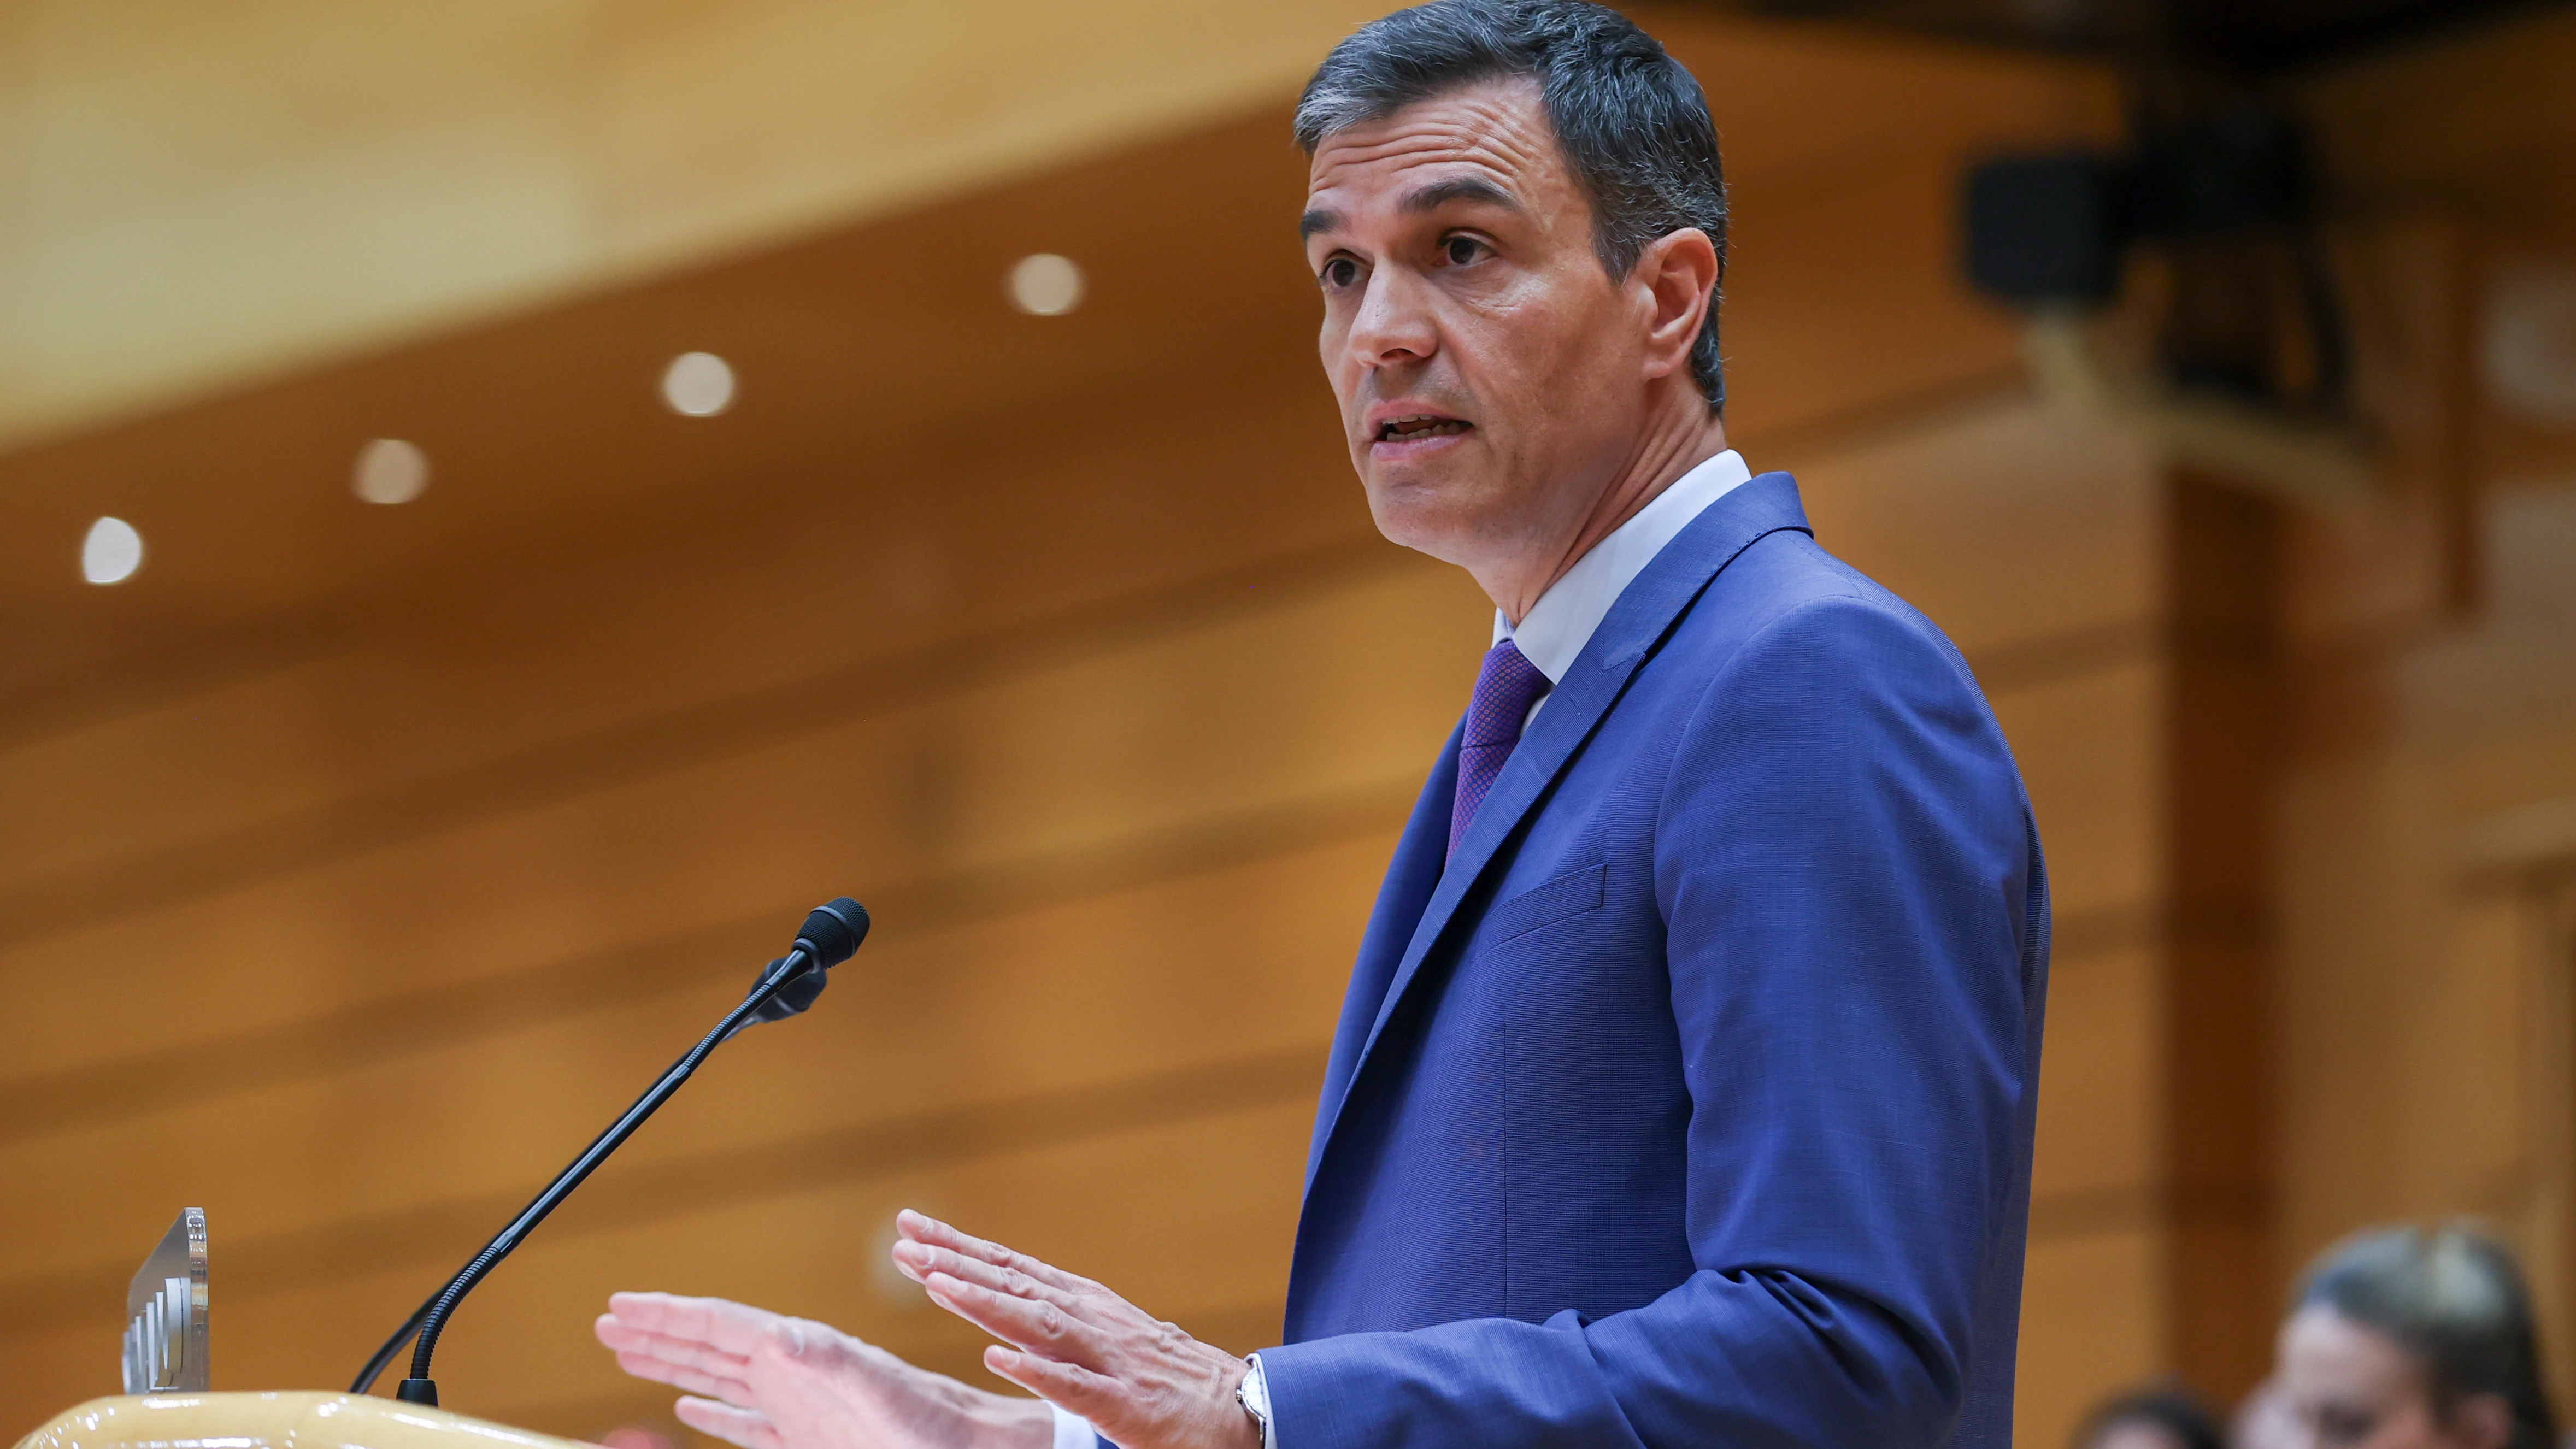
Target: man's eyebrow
{"x": 1461, "y": 188}
{"x": 1429, "y": 198}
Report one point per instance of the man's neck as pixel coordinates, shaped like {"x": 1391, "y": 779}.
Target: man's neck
{"x": 1517, "y": 583}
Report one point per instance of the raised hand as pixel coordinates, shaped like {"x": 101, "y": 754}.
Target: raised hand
{"x": 764, "y": 1381}
{"x": 1141, "y": 1382}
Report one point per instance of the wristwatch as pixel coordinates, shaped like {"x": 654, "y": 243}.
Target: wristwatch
{"x": 1254, "y": 1394}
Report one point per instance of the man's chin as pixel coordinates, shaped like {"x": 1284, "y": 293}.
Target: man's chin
{"x": 1423, "y": 516}
{"x": 1443, "y": 465}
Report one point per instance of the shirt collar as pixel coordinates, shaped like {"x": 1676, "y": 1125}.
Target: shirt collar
{"x": 1557, "y": 627}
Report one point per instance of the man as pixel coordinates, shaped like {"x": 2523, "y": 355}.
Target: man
{"x": 1683, "y": 1091}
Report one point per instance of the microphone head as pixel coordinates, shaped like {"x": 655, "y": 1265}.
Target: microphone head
{"x": 832, "y": 931}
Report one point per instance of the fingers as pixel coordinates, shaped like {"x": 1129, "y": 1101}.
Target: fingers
{"x": 616, "y": 1333}
{"x": 744, "y": 1427}
{"x": 732, "y": 1327}
{"x": 732, "y": 1388}
{"x": 924, "y": 1229}
{"x": 1071, "y": 1385}
{"x": 683, "y": 1363}
{"x": 622, "y": 1337}
{"x": 1038, "y": 1326}
{"x": 920, "y": 1260}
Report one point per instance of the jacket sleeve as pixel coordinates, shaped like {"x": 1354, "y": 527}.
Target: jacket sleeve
{"x": 1841, "y": 857}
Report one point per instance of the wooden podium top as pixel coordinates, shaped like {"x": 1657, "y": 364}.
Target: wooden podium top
{"x": 309, "y": 1419}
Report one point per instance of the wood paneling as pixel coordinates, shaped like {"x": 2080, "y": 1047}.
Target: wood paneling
{"x": 198, "y": 191}
{"x": 2092, "y": 1315}
{"x": 2221, "y": 740}
{"x": 2091, "y": 760}
{"x": 1013, "y": 762}
{"x": 2032, "y": 538}
{"x": 2478, "y": 123}
{"x": 530, "y": 1087}
{"x": 421, "y": 835}
{"x": 2424, "y": 1039}
{"x": 2101, "y": 1113}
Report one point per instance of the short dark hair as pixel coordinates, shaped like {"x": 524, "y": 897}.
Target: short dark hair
{"x": 2183, "y": 1418}
{"x": 2454, "y": 1300}
{"x": 1632, "y": 122}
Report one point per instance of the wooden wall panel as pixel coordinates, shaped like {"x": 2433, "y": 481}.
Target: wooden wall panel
{"x": 1109, "y": 714}
{"x": 2101, "y": 1127}
{"x": 1878, "y": 243}
{"x": 2090, "y": 758}
{"x": 1216, "y": 966}
{"x": 1054, "y": 757}
{"x": 2030, "y": 538}
{"x": 197, "y": 192}
{"x": 2426, "y": 1037}
{"x": 2092, "y": 1320}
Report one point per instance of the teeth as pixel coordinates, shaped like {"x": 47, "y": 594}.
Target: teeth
{"x": 1419, "y": 425}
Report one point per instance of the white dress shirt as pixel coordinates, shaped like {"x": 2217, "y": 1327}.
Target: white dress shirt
{"x": 1551, "y": 636}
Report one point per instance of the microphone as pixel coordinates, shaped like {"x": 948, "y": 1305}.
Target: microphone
{"x": 783, "y": 989}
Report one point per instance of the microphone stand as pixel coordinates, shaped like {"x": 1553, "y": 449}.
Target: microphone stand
{"x": 430, "y": 1318}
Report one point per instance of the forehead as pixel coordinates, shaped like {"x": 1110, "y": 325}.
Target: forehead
{"x": 2324, "y": 1353}
{"x": 1494, "y": 130}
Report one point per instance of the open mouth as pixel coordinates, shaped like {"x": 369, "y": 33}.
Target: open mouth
{"x": 1418, "y": 427}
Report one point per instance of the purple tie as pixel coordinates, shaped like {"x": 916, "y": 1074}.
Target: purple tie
{"x": 1505, "y": 689}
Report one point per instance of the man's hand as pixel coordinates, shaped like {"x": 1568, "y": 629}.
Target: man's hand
{"x": 764, "y": 1381}
{"x": 1140, "y": 1381}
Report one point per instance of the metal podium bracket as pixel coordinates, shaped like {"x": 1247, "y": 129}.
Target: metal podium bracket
{"x": 165, "y": 1313}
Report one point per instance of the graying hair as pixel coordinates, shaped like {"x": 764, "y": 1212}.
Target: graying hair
{"x": 2453, "y": 1299}
{"x": 1632, "y": 122}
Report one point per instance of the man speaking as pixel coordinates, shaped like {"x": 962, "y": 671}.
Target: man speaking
{"x": 1683, "y": 1091}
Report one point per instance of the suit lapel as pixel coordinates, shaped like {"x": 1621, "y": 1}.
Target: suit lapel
{"x": 1410, "y": 879}
{"x": 1637, "y": 622}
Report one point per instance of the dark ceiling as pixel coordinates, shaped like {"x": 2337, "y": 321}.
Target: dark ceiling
{"x": 2245, "y": 38}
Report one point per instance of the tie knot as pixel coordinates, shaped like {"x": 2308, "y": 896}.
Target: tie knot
{"x": 1506, "y": 687}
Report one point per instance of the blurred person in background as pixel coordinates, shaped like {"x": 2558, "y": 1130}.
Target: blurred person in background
{"x": 2406, "y": 1338}
{"x": 2151, "y": 1418}
{"x": 2265, "y": 1420}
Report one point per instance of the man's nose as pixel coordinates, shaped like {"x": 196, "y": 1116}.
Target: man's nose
{"x": 1394, "y": 323}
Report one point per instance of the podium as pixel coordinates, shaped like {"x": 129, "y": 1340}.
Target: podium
{"x": 298, "y": 1420}
{"x": 167, "y": 1405}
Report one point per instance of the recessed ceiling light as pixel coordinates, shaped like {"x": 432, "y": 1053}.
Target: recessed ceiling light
{"x": 112, "y": 552}
{"x": 390, "y": 471}
{"x": 1046, "y": 285}
{"x": 698, "y": 384}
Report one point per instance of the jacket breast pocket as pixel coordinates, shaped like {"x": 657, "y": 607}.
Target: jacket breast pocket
{"x": 1548, "y": 903}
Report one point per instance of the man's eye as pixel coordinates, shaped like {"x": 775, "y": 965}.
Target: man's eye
{"x": 1341, "y": 272}
{"x": 1462, "y": 249}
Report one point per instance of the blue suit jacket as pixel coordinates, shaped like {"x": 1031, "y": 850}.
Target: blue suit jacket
{"x": 1691, "y": 1102}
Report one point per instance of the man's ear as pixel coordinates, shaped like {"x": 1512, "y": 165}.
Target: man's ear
{"x": 2481, "y": 1421}
{"x": 1677, "y": 274}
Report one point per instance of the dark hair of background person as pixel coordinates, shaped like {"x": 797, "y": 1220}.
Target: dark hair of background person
{"x": 2453, "y": 1299}
{"x": 2181, "y": 1416}
{"x": 1632, "y": 122}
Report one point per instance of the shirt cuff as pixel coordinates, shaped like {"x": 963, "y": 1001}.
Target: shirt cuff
{"x": 1072, "y": 1431}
